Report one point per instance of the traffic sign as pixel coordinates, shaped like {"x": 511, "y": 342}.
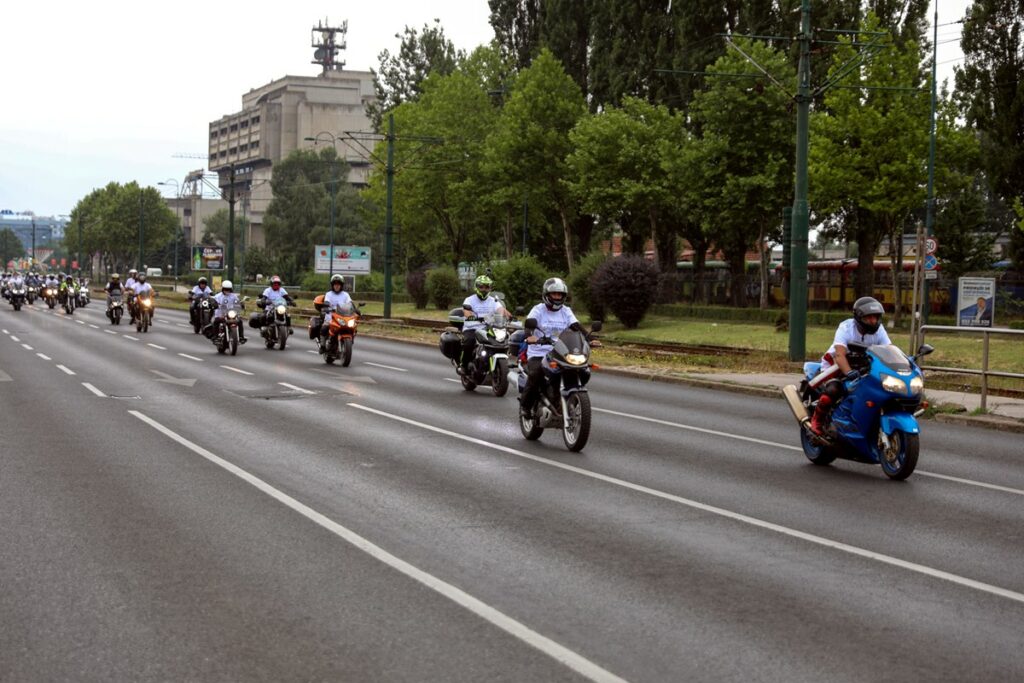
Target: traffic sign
{"x": 931, "y": 245}
{"x": 931, "y": 275}
{"x": 930, "y": 262}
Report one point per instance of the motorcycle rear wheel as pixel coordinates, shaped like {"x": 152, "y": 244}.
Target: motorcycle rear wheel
{"x": 578, "y": 431}
{"x": 904, "y": 451}
{"x": 817, "y": 454}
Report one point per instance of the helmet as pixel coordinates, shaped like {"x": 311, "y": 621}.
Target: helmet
{"x": 864, "y": 307}
{"x": 142, "y": 277}
{"x": 133, "y": 272}
{"x": 275, "y": 282}
{"x": 115, "y": 277}
{"x": 555, "y": 285}
{"x": 480, "y": 284}
{"x": 202, "y": 281}
{"x": 226, "y": 286}
{"x": 338, "y": 279}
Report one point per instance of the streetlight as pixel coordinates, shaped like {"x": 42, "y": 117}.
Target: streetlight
{"x": 334, "y": 188}
{"x": 177, "y": 229}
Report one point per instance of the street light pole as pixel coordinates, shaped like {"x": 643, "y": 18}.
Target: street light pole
{"x": 231, "y": 226}
{"x": 798, "y": 251}
{"x": 142, "y": 228}
{"x": 388, "y": 214}
{"x": 177, "y": 227}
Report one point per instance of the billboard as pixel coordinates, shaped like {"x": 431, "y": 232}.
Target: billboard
{"x": 347, "y": 260}
{"x": 207, "y": 258}
{"x": 975, "y": 303}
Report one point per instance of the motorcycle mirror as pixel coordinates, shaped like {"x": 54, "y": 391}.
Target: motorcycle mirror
{"x": 520, "y": 310}
{"x": 361, "y": 304}
{"x": 596, "y": 327}
{"x": 925, "y": 349}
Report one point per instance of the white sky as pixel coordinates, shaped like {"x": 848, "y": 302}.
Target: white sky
{"x": 109, "y": 90}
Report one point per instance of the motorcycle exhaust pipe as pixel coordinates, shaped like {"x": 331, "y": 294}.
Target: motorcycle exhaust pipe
{"x": 792, "y": 395}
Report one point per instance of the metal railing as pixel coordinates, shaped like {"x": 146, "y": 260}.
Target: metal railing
{"x": 984, "y": 372}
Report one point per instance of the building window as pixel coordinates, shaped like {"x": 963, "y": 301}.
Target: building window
{"x": 223, "y": 131}
{"x": 245, "y": 124}
{"x": 188, "y": 212}
{"x": 255, "y": 120}
{"x": 213, "y": 134}
{"x": 233, "y": 150}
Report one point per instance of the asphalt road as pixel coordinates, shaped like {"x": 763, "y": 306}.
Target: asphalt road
{"x": 167, "y": 513}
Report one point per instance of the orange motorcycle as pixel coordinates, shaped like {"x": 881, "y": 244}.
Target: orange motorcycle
{"x": 341, "y": 332}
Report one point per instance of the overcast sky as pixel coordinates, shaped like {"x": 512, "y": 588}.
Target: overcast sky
{"x": 111, "y": 89}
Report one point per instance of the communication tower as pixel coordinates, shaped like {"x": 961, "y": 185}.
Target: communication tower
{"x": 327, "y": 42}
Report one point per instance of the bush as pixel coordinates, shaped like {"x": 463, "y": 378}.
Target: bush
{"x": 374, "y": 282}
{"x": 627, "y": 285}
{"x": 670, "y": 288}
{"x": 443, "y": 286}
{"x": 521, "y": 279}
{"x": 416, "y": 287}
{"x": 580, "y": 281}
{"x": 316, "y": 282}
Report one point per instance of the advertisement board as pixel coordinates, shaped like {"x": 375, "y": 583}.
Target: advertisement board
{"x": 347, "y": 260}
{"x": 207, "y": 258}
{"x": 975, "y": 303}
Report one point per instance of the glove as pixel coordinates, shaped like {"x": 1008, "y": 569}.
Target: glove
{"x": 852, "y": 376}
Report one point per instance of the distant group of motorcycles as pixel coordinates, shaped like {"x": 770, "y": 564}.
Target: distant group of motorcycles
{"x": 69, "y": 293}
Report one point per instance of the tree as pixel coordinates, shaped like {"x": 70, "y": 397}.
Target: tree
{"x": 745, "y": 153}
{"x": 528, "y": 149}
{"x": 400, "y": 77}
{"x": 217, "y": 226}
{"x": 10, "y": 247}
{"x": 516, "y": 25}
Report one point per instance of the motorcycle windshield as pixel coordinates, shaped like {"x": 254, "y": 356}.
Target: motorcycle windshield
{"x": 496, "y": 320}
{"x": 891, "y": 356}
{"x": 570, "y": 341}
{"x": 344, "y": 309}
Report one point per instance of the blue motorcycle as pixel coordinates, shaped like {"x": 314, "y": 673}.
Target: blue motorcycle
{"x": 876, "y": 422}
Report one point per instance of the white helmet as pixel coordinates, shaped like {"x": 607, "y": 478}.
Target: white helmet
{"x": 555, "y": 285}
{"x": 227, "y": 285}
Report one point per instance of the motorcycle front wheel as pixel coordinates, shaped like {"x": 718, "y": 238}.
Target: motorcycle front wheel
{"x": 529, "y": 427}
{"x": 282, "y": 337}
{"x": 346, "y": 353}
{"x": 577, "y": 430}
{"x": 234, "y": 341}
{"x": 900, "y": 459}
{"x": 499, "y": 382}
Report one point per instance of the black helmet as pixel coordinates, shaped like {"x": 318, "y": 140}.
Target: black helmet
{"x": 202, "y": 281}
{"x": 554, "y": 285}
{"x": 339, "y": 279}
{"x": 862, "y": 308}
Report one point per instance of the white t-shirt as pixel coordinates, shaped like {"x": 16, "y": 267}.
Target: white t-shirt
{"x": 143, "y": 288}
{"x": 332, "y": 299}
{"x": 481, "y": 309}
{"x": 549, "y": 323}
{"x": 272, "y": 295}
{"x": 847, "y": 332}
{"x": 225, "y": 302}
{"x": 130, "y": 283}
{"x": 197, "y": 291}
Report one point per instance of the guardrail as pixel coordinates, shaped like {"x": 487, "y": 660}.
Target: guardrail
{"x": 984, "y": 371}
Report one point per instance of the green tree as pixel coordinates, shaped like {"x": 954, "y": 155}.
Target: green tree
{"x": 10, "y": 247}
{"x": 217, "y": 226}
{"x": 400, "y": 77}
{"x": 516, "y": 25}
{"x": 528, "y": 149}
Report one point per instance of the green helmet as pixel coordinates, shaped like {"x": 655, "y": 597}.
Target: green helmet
{"x": 480, "y": 284}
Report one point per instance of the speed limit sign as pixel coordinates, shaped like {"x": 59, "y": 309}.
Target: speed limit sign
{"x": 931, "y": 245}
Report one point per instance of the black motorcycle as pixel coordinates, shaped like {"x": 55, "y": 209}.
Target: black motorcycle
{"x": 16, "y": 296}
{"x": 563, "y": 401}
{"x": 490, "y": 362}
{"x": 115, "y": 308}
{"x": 200, "y": 312}
{"x": 274, "y": 323}
{"x": 226, "y": 334}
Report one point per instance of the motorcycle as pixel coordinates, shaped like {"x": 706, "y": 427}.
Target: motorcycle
{"x": 876, "y": 423}
{"x": 69, "y": 300}
{"x": 200, "y": 313}
{"x": 31, "y": 294}
{"x": 563, "y": 401}
{"x": 341, "y": 333}
{"x": 274, "y": 324}
{"x": 115, "y": 309}
{"x": 489, "y": 364}
{"x": 144, "y": 316}
{"x": 83, "y": 296}
{"x": 50, "y": 296}
{"x": 226, "y": 336}
{"x": 16, "y": 296}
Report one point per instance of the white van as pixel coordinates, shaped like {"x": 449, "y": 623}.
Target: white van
{"x": 154, "y": 272}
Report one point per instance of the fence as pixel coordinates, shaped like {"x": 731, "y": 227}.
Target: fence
{"x": 984, "y": 372}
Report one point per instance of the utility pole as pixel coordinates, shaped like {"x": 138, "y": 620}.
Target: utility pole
{"x": 231, "y": 226}
{"x": 929, "y": 214}
{"x": 334, "y": 191}
{"x": 33, "y": 242}
{"x": 798, "y": 251}
{"x": 388, "y": 214}
{"x": 79, "y": 244}
{"x": 142, "y": 230}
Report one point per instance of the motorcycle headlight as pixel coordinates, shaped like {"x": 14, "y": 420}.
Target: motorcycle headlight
{"x": 500, "y": 335}
{"x": 232, "y": 314}
{"x": 146, "y": 303}
{"x": 351, "y": 323}
{"x": 281, "y": 309}
{"x": 893, "y": 384}
{"x": 916, "y": 386}
{"x": 575, "y": 359}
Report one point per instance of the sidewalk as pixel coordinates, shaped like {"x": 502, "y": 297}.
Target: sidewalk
{"x": 997, "y": 405}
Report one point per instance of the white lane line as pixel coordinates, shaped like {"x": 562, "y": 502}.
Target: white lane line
{"x": 517, "y": 629}
{"x": 110, "y": 332}
{"x": 240, "y": 372}
{"x": 386, "y": 367}
{"x": 95, "y": 327}
{"x": 728, "y": 514}
{"x": 80, "y": 322}
{"x": 6, "y": 332}
{"x": 66, "y": 370}
{"x": 452, "y": 379}
{"x": 775, "y": 444}
{"x": 157, "y": 346}
{"x": 44, "y": 356}
{"x": 128, "y": 336}
{"x": 185, "y": 355}
{"x": 94, "y": 390}
{"x": 182, "y": 325}
{"x": 13, "y": 338}
{"x": 312, "y": 351}
{"x": 295, "y": 388}
{"x": 27, "y": 347}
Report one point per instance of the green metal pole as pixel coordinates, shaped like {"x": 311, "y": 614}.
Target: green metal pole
{"x": 142, "y": 229}
{"x": 388, "y": 214}
{"x": 230, "y": 274}
{"x": 79, "y": 244}
{"x": 798, "y": 255}
{"x": 334, "y": 186}
{"x": 929, "y": 215}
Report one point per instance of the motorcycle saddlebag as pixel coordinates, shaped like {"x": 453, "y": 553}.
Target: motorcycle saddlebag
{"x": 456, "y": 318}
{"x": 450, "y": 344}
{"x": 314, "y": 328}
{"x": 256, "y": 320}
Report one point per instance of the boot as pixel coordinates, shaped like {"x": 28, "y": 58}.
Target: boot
{"x": 820, "y": 414}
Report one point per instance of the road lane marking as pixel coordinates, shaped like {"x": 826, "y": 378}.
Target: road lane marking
{"x": 295, "y": 388}
{"x": 386, "y": 367}
{"x": 312, "y": 351}
{"x": 240, "y": 372}
{"x": 185, "y": 355}
{"x": 66, "y": 370}
{"x": 517, "y": 629}
{"x": 27, "y": 347}
{"x": 95, "y": 327}
{"x": 110, "y": 332}
{"x": 44, "y": 356}
{"x": 94, "y": 390}
{"x": 157, "y": 346}
{"x": 13, "y": 338}
{"x": 722, "y": 512}
{"x": 452, "y": 379}
{"x": 6, "y": 332}
{"x": 775, "y": 444}
{"x": 80, "y": 322}
{"x": 182, "y": 325}
{"x": 128, "y": 336}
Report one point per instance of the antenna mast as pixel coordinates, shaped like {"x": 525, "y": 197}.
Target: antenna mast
{"x": 327, "y": 45}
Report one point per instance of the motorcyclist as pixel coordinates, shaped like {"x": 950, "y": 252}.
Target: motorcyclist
{"x": 475, "y": 308}
{"x": 129, "y": 291}
{"x": 51, "y": 281}
{"x": 113, "y": 285}
{"x": 334, "y": 297}
{"x": 144, "y": 289}
{"x": 865, "y": 327}
{"x": 274, "y": 294}
{"x": 546, "y": 319}
{"x": 67, "y": 287}
{"x": 196, "y": 294}
{"x": 226, "y": 300}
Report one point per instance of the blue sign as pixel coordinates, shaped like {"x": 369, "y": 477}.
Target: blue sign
{"x": 930, "y": 262}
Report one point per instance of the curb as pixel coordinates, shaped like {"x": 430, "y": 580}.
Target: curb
{"x": 1003, "y": 424}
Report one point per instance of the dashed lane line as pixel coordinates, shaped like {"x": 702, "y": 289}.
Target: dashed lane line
{"x": 240, "y": 372}
{"x": 185, "y": 355}
{"x": 128, "y": 336}
{"x": 66, "y": 370}
{"x": 44, "y": 356}
{"x": 15, "y": 339}
{"x": 295, "y": 388}
{"x": 386, "y": 367}
{"x": 157, "y": 346}
{"x": 27, "y": 347}
{"x": 95, "y": 327}
{"x": 110, "y": 332}
{"x": 94, "y": 390}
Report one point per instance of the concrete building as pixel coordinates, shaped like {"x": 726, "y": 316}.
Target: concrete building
{"x": 49, "y": 230}
{"x": 275, "y": 120}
